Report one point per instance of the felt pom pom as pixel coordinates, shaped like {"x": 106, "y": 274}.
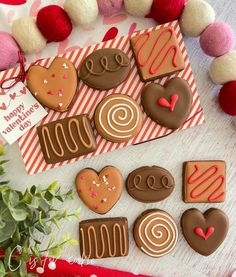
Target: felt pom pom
{"x": 138, "y": 8}
{"x": 54, "y": 23}
{"x": 109, "y": 7}
{"x": 196, "y": 16}
{"x": 27, "y": 35}
{"x": 223, "y": 69}
{"x": 82, "y": 12}
{"x": 8, "y": 51}
{"x": 227, "y": 98}
{"x": 217, "y": 39}
{"x": 166, "y": 10}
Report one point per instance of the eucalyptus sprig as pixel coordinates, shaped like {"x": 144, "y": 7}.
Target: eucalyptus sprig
{"x": 23, "y": 217}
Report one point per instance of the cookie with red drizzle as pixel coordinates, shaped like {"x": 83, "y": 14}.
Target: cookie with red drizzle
{"x": 157, "y": 54}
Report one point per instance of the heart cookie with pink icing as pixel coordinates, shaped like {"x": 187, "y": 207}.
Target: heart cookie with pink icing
{"x": 168, "y": 105}
{"x": 55, "y": 86}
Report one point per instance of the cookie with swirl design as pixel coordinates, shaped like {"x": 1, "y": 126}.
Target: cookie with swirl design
{"x": 118, "y": 118}
{"x": 105, "y": 68}
{"x": 150, "y": 184}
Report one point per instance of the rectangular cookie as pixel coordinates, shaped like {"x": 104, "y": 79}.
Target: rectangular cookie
{"x": 66, "y": 139}
{"x": 204, "y": 181}
{"x": 104, "y": 238}
{"x": 157, "y": 54}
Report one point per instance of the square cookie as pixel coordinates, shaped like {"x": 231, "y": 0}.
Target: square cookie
{"x": 157, "y": 54}
{"x": 204, "y": 181}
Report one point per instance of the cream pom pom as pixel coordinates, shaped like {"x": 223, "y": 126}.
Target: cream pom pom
{"x": 196, "y": 16}
{"x": 223, "y": 69}
{"x": 27, "y": 35}
{"x": 82, "y": 12}
{"x": 138, "y": 7}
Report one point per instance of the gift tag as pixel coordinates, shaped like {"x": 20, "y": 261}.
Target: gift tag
{"x": 19, "y": 112}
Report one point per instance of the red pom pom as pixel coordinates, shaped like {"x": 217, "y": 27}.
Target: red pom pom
{"x": 54, "y": 23}
{"x": 227, "y": 98}
{"x": 166, "y": 10}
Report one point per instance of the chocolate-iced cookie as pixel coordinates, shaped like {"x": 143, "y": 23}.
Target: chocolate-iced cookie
{"x": 118, "y": 118}
{"x": 99, "y": 191}
{"x": 204, "y": 232}
{"x": 105, "y": 68}
{"x": 168, "y": 105}
{"x": 155, "y": 233}
{"x": 150, "y": 184}
{"x": 157, "y": 53}
{"x": 104, "y": 238}
{"x": 53, "y": 87}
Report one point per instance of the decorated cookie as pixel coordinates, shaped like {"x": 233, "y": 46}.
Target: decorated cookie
{"x": 150, "y": 184}
{"x": 157, "y": 54}
{"x": 66, "y": 139}
{"x": 104, "y": 238}
{"x": 204, "y": 182}
{"x": 105, "y": 68}
{"x": 155, "y": 233}
{"x": 118, "y": 118}
{"x": 204, "y": 232}
{"x": 54, "y": 87}
{"x": 168, "y": 105}
{"x": 99, "y": 192}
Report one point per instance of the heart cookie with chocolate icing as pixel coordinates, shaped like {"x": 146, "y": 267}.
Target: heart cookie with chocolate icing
{"x": 168, "y": 105}
{"x": 99, "y": 191}
{"x": 204, "y": 232}
{"x": 53, "y": 87}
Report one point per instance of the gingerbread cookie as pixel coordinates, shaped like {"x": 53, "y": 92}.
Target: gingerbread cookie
{"x": 204, "y": 182}
{"x": 155, "y": 233}
{"x": 53, "y": 87}
{"x": 118, "y": 118}
{"x": 204, "y": 232}
{"x": 157, "y": 54}
{"x": 168, "y": 105}
{"x": 66, "y": 139}
{"x": 99, "y": 191}
{"x": 150, "y": 184}
{"x": 105, "y": 68}
{"x": 104, "y": 238}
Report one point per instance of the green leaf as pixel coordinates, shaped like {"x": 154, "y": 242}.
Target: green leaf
{"x": 55, "y": 251}
{"x": 3, "y": 162}
{"x": 2, "y": 151}
{"x": 2, "y": 269}
{"x": 18, "y": 214}
{"x": 36, "y": 251}
{"x": 53, "y": 186}
{"x": 10, "y": 198}
{"x": 10, "y": 226}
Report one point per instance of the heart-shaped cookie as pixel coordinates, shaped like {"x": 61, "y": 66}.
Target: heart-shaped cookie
{"x": 54, "y": 87}
{"x": 204, "y": 232}
{"x": 168, "y": 105}
{"x": 99, "y": 192}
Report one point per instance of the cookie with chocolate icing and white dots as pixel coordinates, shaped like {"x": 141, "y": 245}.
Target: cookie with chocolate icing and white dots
{"x": 99, "y": 191}
{"x": 55, "y": 86}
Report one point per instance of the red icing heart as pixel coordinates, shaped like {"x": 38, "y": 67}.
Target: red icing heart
{"x": 23, "y": 90}
{"x": 3, "y": 107}
{"x": 110, "y": 34}
{"x": 12, "y": 96}
{"x": 210, "y": 230}
{"x": 173, "y": 100}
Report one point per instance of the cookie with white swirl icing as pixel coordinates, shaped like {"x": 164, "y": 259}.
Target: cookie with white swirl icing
{"x": 155, "y": 233}
{"x": 118, "y": 118}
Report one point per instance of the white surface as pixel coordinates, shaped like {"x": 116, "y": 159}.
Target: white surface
{"x": 213, "y": 140}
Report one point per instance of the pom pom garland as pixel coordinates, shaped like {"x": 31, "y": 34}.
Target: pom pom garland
{"x": 217, "y": 39}
{"x": 27, "y": 35}
{"x": 164, "y": 11}
{"x": 138, "y": 8}
{"x": 54, "y": 23}
{"x": 109, "y": 7}
{"x": 82, "y": 12}
{"x": 227, "y": 98}
{"x": 197, "y": 15}
{"x": 8, "y": 51}
{"x": 223, "y": 69}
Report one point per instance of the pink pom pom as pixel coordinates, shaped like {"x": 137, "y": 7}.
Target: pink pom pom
{"x": 166, "y": 10}
{"x": 227, "y": 98}
{"x": 217, "y": 39}
{"x": 8, "y": 51}
{"x": 109, "y": 7}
